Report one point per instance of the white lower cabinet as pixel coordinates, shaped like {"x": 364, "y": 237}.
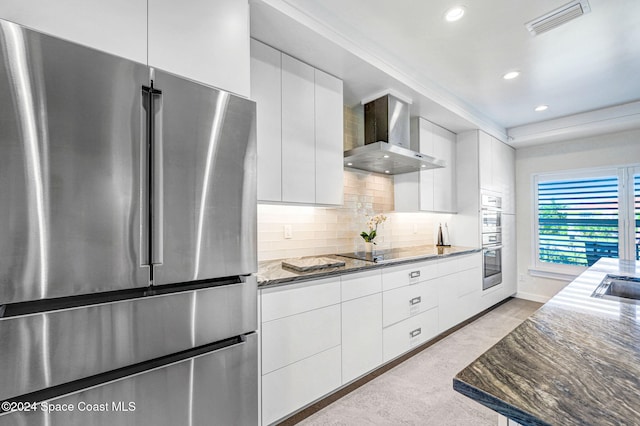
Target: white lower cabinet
{"x": 399, "y": 276}
{"x": 294, "y": 299}
{"x": 406, "y": 335}
{"x": 294, "y": 386}
{"x": 404, "y": 302}
{"x": 460, "y": 291}
{"x": 290, "y": 339}
{"x": 361, "y": 336}
{"x": 322, "y": 334}
{"x": 300, "y": 345}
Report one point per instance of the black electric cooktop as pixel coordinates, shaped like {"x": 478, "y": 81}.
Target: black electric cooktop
{"x": 395, "y": 254}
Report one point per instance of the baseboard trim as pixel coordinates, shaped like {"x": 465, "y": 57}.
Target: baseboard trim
{"x": 533, "y": 297}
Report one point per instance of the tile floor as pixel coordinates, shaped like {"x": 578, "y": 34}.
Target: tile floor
{"x": 419, "y": 391}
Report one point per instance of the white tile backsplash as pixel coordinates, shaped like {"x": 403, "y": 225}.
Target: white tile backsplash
{"x": 328, "y": 230}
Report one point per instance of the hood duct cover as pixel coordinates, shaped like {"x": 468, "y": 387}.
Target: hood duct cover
{"x": 387, "y": 147}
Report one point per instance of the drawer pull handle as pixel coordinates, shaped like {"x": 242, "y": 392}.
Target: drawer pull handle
{"x": 415, "y": 300}
{"x": 414, "y": 274}
{"x": 416, "y": 332}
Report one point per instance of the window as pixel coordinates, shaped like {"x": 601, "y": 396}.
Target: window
{"x": 583, "y": 216}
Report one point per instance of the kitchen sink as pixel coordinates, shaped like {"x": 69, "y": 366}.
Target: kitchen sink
{"x": 618, "y": 287}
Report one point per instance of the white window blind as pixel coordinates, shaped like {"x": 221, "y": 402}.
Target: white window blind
{"x": 578, "y": 219}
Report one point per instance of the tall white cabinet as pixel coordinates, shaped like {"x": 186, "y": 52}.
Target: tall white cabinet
{"x": 429, "y": 190}
{"x": 206, "y": 41}
{"x": 299, "y": 129}
{"x": 485, "y": 163}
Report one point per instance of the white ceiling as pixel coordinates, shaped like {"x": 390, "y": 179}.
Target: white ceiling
{"x": 590, "y": 63}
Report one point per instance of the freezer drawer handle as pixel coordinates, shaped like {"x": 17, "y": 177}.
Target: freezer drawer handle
{"x": 415, "y": 300}
{"x": 414, "y": 274}
{"x": 416, "y": 332}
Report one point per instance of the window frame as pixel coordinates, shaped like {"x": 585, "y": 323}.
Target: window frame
{"x": 626, "y": 217}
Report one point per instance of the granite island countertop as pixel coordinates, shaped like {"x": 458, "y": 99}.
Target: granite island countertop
{"x": 575, "y": 361}
{"x": 272, "y": 273}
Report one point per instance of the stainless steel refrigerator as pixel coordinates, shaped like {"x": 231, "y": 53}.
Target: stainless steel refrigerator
{"x": 127, "y": 242}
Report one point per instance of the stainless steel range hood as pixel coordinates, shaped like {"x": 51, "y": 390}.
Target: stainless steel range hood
{"x": 387, "y": 146}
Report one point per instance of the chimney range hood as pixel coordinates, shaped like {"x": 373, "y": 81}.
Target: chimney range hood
{"x": 386, "y": 146}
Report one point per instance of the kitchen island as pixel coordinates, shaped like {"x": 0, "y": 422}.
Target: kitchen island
{"x": 575, "y": 361}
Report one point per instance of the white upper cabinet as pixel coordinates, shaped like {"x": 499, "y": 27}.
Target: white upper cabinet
{"x": 329, "y": 138}
{"x": 505, "y": 169}
{"x": 429, "y": 190}
{"x": 485, "y": 160}
{"x": 483, "y": 163}
{"x": 497, "y": 169}
{"x": 204, "y": 40}
{"x": 118, "y": 27}
{"x": 266, "y": 90}
{"x": 444, "y": 179}
{"x": 299, "y": 129}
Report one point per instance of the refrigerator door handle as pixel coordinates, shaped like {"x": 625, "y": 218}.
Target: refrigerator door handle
{"x": 145, "y": 170}
{"x": 151, "y": 178}
{"x": 157, "y": 179}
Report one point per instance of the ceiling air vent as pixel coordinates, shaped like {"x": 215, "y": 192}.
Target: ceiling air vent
{"x": 557, "y": 17}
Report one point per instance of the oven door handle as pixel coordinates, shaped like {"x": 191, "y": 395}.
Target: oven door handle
{"x": 491, "y": 248}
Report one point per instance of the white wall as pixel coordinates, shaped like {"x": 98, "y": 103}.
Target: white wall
{"x": 598, "y": 151}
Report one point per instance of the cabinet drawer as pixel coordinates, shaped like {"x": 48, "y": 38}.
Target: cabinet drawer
{"x": 404, "y": 302}
{"x": 414, "y": 273}
{"x": 455, "y": 264}
{"x": 448, "y": 266}
{"x": 291, "y": 339}
{"x": 291, "y": 388}
{"x": 405, "y": 335}
{"x": 471, "y": 261}
{"x": 361, "y": 284}
{"x": 469, "y": 281}
{"x": 293, "y": 299}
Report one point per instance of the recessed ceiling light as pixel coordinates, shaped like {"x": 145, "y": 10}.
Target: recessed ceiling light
{"x": 454, "y": 14}
{"x": 511, "y": 75}
{"x": 424, "y": 165}
{"x": 540, "y": 108}
{"x": 386, "y": 171}
{"x": 386, "y": 156}
{"x": 349, "y": 164}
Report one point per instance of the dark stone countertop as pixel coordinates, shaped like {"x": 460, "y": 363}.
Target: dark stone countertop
{"x": 575, "y": 361}
{"x": 272, "y": 273}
